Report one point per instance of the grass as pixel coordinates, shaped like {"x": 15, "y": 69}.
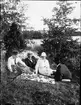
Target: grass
{"x": 25, "y": 92}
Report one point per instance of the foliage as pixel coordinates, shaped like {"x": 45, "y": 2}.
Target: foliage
{"x": 67, "y": 51}
{"x": 23, "y": 92}
{"x": 32, "y": 34}
{"x": 11, "y": 12}
{"x": 13, "y": 40}
{"x": 60, "y": 17}
{"x": 59, "y": 43}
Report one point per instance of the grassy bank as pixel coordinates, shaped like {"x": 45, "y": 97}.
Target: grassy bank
{"x": 23, "y": 92}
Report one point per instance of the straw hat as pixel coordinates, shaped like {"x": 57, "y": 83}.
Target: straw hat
{"x": 43, "y": 54}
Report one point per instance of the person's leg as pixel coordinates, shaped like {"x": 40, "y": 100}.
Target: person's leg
{"x": 66, "y": 77}
{"x": 24, "y": 69}
{"x": 58, "y": 76}
{"x": 12, "y": 74}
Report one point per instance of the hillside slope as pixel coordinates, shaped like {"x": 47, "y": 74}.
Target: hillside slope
{"x": 25, "y": 92}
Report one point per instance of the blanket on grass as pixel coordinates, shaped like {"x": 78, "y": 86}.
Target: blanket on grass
{"x": 39, "y": 78}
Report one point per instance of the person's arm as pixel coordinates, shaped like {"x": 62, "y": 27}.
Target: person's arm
{"x": 48, "y": 65}
{"x": 20, "y": 61}
{"x": 37, "y": 67}
{"x": 9, "y": 65}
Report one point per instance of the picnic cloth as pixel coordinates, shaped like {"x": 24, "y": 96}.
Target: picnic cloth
{"x": 39, "y": 78}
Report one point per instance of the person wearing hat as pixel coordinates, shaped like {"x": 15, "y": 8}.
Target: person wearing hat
{"x": 14, "y": 62}
{"x": 43, "y": 66}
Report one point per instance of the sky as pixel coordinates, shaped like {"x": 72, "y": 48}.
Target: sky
{"x": 38, "y": 9}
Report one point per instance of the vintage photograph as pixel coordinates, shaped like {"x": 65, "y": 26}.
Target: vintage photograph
{"x": 40, "y": 44}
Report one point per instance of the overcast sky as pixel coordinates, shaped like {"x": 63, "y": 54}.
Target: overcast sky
{"x": 38, "y": 9}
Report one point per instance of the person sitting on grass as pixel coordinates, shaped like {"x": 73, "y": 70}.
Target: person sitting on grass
{"x": 15, "y": 64}
{"x": 43, "y": 67}
{"x": 30, "y": 61}
{"x": 62, "y": 72}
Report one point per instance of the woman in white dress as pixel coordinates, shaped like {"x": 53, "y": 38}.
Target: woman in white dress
{"x": 43, "y": 66}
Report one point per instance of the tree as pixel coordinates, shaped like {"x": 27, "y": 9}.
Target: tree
{"x": 32, "y": 34}
{"x": 60, "y": 16}
{"x": 12, "y": 20}
{"x": 13, "y": 40}
{"x": 59, "y": 43}
{"x": 11, "y": 13}
{"x": 60, "y": 30}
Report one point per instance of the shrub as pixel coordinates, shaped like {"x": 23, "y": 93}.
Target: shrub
{"x": 13, "y": 40}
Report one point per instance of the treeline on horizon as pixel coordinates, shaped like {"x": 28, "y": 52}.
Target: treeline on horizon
{"x": 32, "y": 34}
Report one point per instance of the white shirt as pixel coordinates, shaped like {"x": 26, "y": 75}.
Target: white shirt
{"x": 12, "y": 61}
{"x": 42, "y": 66}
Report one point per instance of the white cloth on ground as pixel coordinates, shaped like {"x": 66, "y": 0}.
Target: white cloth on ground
{"x": 34, "y": 77}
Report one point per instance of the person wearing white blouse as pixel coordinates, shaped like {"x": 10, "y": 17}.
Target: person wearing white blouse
{"x": 15, "y": 62}
{"x": 43, "y": 66}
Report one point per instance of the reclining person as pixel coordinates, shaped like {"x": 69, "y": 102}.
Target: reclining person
{"x": 43, "y": 67}
{"x": 30, "y": 61}
{"x": 15, "y": 64}
{"x": 62, "y": 72}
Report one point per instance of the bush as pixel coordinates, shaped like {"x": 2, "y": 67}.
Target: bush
{"x": 13, "y": 40}
{"x": 74, "y": 65}
{"x": 66, "y": 51}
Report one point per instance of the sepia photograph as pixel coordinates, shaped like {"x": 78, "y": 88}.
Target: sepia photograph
{"x": 40, "y": 44}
